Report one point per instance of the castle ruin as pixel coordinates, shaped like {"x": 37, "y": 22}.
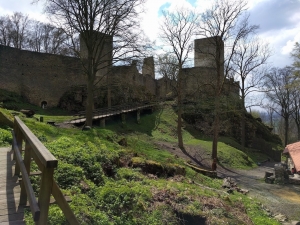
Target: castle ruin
{"x": 54, "y": 80}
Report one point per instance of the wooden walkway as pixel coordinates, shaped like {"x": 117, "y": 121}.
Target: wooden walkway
{"x": 115, "y": 110}
{"x": 10, "y": 211}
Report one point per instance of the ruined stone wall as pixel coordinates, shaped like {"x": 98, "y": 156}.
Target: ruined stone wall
{"x": 148, "y": 67}
{"x": 205, "y": 51}
{"x": 102, "y": 51}
{"x": 38, "y": 76}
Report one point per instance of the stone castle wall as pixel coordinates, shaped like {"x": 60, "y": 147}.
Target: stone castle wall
{"x": 38, "y": 76}
{"x": 46, "y": 77}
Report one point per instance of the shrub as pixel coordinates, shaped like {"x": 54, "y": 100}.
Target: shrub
{"x": 68, "y": 175}
{"x": 5, "y": 137}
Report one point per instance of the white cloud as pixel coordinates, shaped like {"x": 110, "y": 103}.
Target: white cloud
{"x": 289, "y": 45}
{"x": 34, "y": 11}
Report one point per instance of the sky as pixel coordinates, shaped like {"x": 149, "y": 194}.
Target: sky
{"x": 279, "y": 20}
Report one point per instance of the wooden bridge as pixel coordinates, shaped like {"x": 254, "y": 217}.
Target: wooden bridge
{"x": 16, "y": 194}
{"x": 112, "y": 111}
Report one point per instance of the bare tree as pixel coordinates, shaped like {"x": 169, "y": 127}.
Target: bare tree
{"x": 225, "y": 22}
{"x": 296, "y": 110}
{"x": 108, "y": 31}
{"x": 19, "y": 31}
{"x": 248, "y": 58}
{"x": 279, "y": 90}
{"x": 296, "y": 70}
{"x": 296, "y": 57}
{"x": 168, "y": 66}
{"x": 177, "y": 31}
{"x": 5, "y": 30}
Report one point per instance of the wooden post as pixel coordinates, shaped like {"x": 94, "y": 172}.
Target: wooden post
{"x": 123, "y": 115}
{"x": 138, "y": 116}
{"x": 45, "y": 193}
{"x": 27, "y": 161}
{"x": 19, "y": 140}
{"x": 102, "y": 123}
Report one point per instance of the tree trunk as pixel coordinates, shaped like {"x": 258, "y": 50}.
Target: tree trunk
{"x": 108, "y": 91}
{"x": 243, "y": 119}
{"x": 286, "y": 130}
{"x": 243, "y": 130}
{"x": 298, "y": 131}
{"x": 216, "y": 126}
{"x": 179, "y": 113}
{"x": 90, "y": 103}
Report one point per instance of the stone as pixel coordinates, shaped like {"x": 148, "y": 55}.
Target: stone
{"x": 27, "y": 112}
{"x": 280, "y": 217}
{"x": 85, "y": 128}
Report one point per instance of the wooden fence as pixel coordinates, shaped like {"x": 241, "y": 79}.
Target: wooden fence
{"x": 46, "y": 162}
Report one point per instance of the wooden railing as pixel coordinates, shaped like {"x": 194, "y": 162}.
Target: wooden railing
{"x": 120, "y": 108}
{"x": 46, "y": 162}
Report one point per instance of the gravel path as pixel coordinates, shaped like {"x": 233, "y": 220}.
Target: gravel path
{"x": 284, "y": 199}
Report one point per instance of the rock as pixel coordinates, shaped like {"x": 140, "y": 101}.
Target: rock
{"x": 27, "y": 112}
{"x": 270, "y": 180}
{"x": 280, "y": 217}
{"x": 229, "y": 183}
{"x": 229, "y": 191}
{"x": 244, "y": 191}
{"x": 86, "y": 128}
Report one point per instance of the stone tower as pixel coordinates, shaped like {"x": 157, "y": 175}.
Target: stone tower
{"x": 103, "y": 51}
{"x": 148, "y": 67}
{"x": 205, "y": 52}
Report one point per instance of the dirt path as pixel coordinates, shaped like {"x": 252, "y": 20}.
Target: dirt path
{"x": 284, "y": 199}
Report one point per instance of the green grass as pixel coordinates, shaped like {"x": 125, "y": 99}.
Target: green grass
{"x": 118, "y": 194}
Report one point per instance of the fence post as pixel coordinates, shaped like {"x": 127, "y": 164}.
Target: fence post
{"x": 102, "y": 122}
{"x": 138, "y": 116}
{"x": 27, "y": 162}
{"x": 123, "y": 115}
{"x": 19, "y": 140}
{"x": 45, "y": 193}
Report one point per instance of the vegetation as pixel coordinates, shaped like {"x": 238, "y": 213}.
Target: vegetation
{"x": 96, "y": 172}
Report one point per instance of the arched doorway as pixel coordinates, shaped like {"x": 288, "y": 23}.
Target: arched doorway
{"x": 43, "y": 104}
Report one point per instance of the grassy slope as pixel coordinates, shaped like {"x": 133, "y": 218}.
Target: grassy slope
{"x": 104, "y": 191}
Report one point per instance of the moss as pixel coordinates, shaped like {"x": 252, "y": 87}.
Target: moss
{"x": 154, "y": 167}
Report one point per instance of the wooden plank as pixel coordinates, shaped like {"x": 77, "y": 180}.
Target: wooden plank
{"x": 35, "y": 210}
{"x": 63, "y": 204}
{"x": 6, "y": 218}
{"x": 16, "y": 222}
{"x": 27, "y": 161}
{"x": 10, "y": 211}
{"x": 45, "y": 156}
{"x": 45, "y": 193}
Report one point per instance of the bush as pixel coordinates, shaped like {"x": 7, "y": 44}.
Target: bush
{"x": 5, "y": 137}
{"x": 68, "y": 175}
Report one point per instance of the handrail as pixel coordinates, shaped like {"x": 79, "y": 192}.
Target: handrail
{"x": 121, "y": 108}
{"x": 46, "y": 163}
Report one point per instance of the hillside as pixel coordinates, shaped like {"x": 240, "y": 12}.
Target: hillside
{"x": 139, "y": 182}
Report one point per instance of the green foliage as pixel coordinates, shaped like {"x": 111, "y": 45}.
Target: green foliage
{"x": 256, "y": 213}
{"x": 68, "y": 175}
{"x": 129, "y": 174}
{"x": 123, "y": 201}
{"x": 122, "y": 195}
{"x": 5, "y": 137}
